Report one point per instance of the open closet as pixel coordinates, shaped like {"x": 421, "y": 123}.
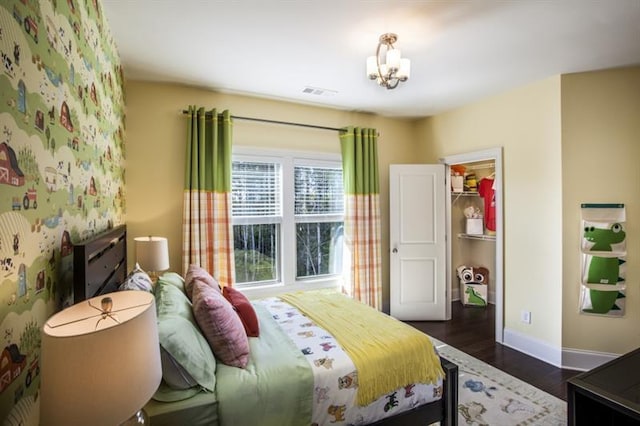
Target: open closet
{"x": 430, "y": 238}
{"x": 473, "y": 232}
{"x": 475, "y": 260}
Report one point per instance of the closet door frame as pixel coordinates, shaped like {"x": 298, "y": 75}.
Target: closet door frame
{"x": 491, "y": 154}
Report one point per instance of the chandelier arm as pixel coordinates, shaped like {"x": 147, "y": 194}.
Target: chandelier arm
{"x": 392, "y": 86}
{"x": 380, "y": 76}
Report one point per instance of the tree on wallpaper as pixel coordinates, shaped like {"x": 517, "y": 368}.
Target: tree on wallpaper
{"x": 61, "y": 171}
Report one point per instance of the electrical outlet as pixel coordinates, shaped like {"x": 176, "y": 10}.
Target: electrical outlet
{"x": 525, "y": 317}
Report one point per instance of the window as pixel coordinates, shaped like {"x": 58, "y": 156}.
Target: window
{"x": 319, "y": 208}
{"x": 257, "y": 216}
{"x": 287, "y": 219}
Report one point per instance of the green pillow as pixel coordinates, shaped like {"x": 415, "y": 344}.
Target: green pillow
{"x": 172, "y": 278}
{"x": 180, "y": 337}
{"x": 170, "y": 301}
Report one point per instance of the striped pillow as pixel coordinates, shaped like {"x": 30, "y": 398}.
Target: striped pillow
{"x": 196, "y": 272}
{"x": 220, "y": 325}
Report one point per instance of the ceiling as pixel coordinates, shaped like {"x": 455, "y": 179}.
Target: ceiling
{"x": 460, "y": 51}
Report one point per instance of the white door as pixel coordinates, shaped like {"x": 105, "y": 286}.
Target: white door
{"x": 418, "y": 242}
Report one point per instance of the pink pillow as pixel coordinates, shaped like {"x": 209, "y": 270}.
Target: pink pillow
{"x": 196, "y": 272}
{"x": 220, "y": 325}
{"x": 245, "y": 310}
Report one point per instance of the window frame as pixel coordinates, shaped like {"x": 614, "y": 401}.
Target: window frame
{"x": 288, "y": 159}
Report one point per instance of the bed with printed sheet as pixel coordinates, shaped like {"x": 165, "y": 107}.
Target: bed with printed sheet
{"x": 298, "y": 371}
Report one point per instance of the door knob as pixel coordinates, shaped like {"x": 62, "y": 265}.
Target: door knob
{"x": 395, "y": 250}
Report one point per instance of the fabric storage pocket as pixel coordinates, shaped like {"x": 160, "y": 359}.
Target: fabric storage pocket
{"x": 604, "y": 248}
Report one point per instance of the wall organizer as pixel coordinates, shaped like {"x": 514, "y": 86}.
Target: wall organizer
{"x": 604, "y": 249}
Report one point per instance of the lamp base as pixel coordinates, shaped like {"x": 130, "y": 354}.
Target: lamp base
{"x": 138, "y": 419}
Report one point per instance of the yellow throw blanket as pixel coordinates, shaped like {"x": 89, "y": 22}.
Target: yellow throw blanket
{"x": 387, "y": 353}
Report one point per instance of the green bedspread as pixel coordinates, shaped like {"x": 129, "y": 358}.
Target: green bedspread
{"x": 276, "y": 368}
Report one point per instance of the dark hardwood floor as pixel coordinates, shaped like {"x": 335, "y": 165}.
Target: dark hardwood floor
{"x": 472, "y": 330}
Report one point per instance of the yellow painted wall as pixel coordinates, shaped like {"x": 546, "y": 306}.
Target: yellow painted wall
{"x": 156, "y": 135}
{"x": 526, "y": 123}
{"x": 601, "y": 155}
{"x": 556, "y": 134}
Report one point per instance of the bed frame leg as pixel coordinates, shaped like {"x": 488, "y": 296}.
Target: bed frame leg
{"x": 450, "y": 390}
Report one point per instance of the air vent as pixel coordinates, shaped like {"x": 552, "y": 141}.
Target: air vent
{"x": 316, "y": 91}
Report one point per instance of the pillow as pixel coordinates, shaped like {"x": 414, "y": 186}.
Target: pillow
{"x": 186, "y": 350}
{"x": 220, "y": 325}
{"x": 196, "y": 272}
{"x": 137, "y": 280}
{"x": 174, "y": 279}
{"x": 174, "y": 374}
{"x": 244, "y": 309}
{"x": 170, "y": 301}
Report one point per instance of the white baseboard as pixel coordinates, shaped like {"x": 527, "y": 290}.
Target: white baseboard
{"x": 455, "y": 293}
{"x": 578, "y": 359}
{"x": 569, "y": 358}
{"x": 534, "y": 347}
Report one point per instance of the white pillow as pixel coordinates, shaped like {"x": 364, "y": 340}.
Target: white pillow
{"x": 137, "y": 280}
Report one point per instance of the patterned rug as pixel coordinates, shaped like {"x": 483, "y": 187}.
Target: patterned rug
{"x": 488, "y": 396}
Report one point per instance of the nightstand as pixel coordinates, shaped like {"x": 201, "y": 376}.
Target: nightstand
{"x": 607, "y": 395}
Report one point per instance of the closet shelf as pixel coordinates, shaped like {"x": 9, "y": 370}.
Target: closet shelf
{"x": 464, "y": 194}
{"x": 477, "y": 237}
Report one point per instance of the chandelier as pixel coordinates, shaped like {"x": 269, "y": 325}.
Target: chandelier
{"x": 390, "y": 69}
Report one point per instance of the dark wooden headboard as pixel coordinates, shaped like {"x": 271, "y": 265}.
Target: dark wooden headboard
{"x": 100, "y": 264}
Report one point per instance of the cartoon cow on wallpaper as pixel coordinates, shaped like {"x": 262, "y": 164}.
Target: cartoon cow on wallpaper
{"x": 6, "y": 264}
{"x": 8, "y": 64}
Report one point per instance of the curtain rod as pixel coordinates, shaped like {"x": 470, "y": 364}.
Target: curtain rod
{"x": 287, "y": 123}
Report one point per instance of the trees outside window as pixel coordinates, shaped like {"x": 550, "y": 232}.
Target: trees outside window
{"x": 287, "y": 219}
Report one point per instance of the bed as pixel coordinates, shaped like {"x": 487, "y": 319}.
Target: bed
{"x": 99, "y": 267}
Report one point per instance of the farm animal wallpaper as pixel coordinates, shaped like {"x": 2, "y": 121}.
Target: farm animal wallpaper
{"x": 61, "y": 171}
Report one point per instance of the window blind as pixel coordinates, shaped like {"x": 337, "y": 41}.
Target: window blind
{"x": 256, "y": 189}
{"x": 318, "y": 190}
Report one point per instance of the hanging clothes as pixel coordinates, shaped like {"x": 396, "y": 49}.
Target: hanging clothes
{"x": 486, "y": 189}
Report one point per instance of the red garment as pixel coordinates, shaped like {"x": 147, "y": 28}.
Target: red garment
{"x": 486, "y": 191}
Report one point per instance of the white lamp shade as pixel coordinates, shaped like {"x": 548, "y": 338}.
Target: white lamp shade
{"x": 100, "y": 376}
{"x": 393, "y": 59}
{"x": 405, "y": 69}
{"x": 372, "y": 67}
{"x": 383, "y": 70}
{"x": 152, "y": 253}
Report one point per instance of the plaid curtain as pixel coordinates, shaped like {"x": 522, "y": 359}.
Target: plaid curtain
{"x": 207, "y": 228}
{"x": 363, "y": 262}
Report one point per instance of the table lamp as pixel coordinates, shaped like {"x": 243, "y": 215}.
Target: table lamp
{"x": 152, "y": 254}
{"x": 100, "y": 361}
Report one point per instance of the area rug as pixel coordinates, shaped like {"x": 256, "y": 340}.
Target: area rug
{"x": 488, "y": 396}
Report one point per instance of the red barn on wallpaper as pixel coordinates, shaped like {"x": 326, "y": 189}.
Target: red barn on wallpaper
{"x": 10, "y": 172}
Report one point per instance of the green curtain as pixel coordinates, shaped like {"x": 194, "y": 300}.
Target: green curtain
{"x": 207, "y": 227}
{"x": 363, "y": 261}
